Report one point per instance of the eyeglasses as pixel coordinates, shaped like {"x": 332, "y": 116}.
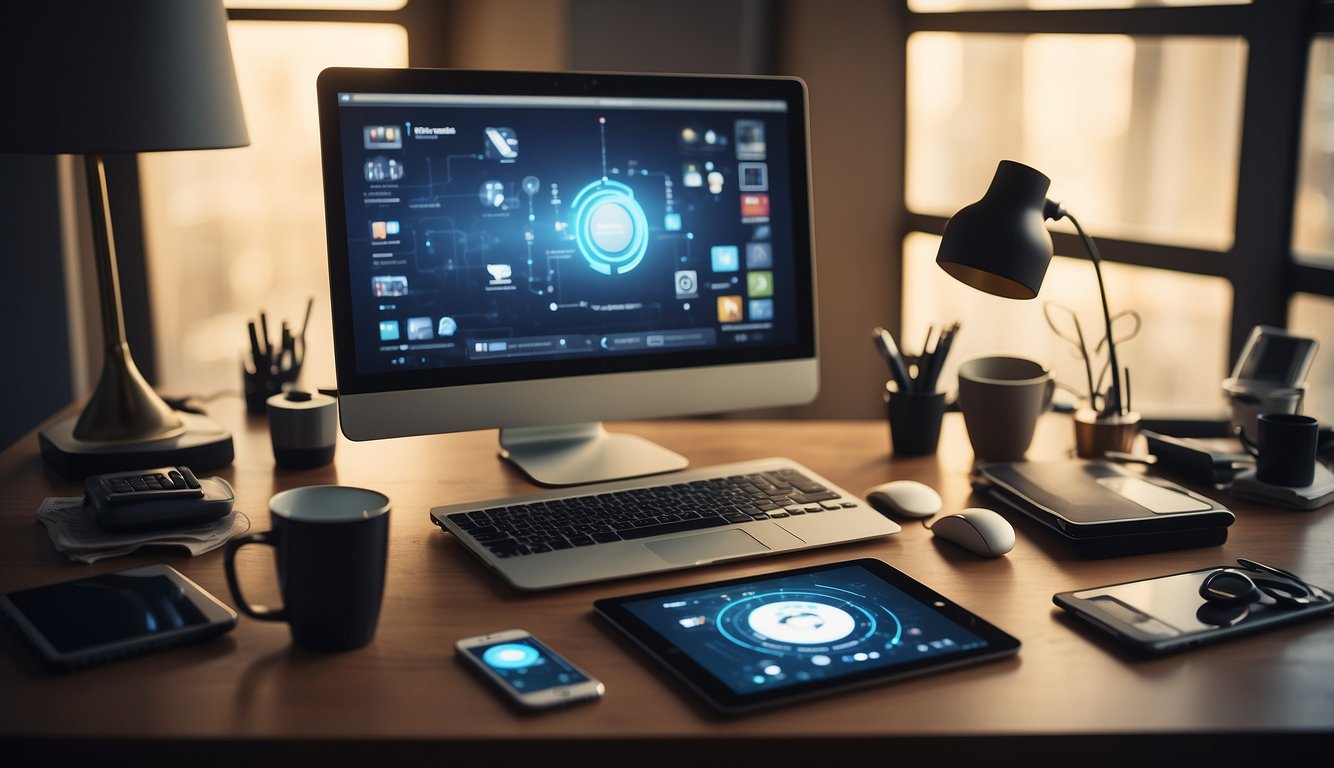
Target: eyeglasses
{"x": 1253, "y": 581}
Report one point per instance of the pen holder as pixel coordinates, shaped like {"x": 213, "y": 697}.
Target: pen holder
{"x": 260, "y": 385}
{"x": 1096, "y": 435}
{"x": 914, "y": 421}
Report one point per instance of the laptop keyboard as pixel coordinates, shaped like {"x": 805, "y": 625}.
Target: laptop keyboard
{"x": 582, "y": 521}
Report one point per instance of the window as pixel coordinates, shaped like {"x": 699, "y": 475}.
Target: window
{"x": 1167, "y": 131}
{"x": 233, "y": 232}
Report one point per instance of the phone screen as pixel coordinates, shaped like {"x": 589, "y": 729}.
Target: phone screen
{"x": 105, "y": 609}
{"x": 526, "y": 665}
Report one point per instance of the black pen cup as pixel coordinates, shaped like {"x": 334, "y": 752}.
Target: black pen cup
{"x": 914, "y": 421}
{"x": 260, "y": 385}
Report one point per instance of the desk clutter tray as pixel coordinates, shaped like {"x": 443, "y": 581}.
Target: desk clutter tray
{"x": 1102, "y": 510}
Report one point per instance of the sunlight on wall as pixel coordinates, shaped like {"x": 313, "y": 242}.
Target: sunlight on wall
{"x": 1313, "y": 227}
{"x": 1140, "y": 137}
{"x": 1313, "y": 316}
{"x": 233, "y": 232}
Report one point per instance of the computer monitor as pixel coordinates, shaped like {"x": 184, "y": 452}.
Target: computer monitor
{"x": 542, "y": 252}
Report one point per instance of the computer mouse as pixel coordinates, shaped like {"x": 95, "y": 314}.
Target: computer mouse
{"x": 904, "y": 498}
{"x": 980, "y": 531}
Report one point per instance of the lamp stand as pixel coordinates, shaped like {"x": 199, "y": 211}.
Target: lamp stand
{"x": 125, "y": 425}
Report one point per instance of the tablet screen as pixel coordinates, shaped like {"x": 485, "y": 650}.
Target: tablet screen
{"x": 767, "y": 639}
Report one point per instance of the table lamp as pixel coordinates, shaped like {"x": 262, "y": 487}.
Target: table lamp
{"x": 1000, "y": 245}
{"x": 94, "y": 78}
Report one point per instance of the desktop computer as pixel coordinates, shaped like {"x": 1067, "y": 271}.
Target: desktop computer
{"x": 539, "y": 253}
{"x": 542, "y": 252}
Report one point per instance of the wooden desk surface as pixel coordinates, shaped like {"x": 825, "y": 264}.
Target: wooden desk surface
{"x": 404, "y": 694}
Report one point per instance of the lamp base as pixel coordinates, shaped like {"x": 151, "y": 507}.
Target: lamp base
{"x": 203, "y": 445}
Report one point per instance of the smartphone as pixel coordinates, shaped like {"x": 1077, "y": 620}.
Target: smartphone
{"x": 1167, "y": 614}
{"x": 527, "y": 671}
{"x": 97, "y": 619}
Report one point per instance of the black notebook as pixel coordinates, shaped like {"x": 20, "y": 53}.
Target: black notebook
{"x": 1103, "y": 510}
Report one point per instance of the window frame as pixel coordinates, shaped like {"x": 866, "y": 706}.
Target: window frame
{"x": 1278, "y": 35}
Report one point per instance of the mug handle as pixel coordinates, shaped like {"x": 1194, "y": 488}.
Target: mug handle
{"x": 229, "y": 562}
{"x": 1250, "y": 445}
{"x": 1047, "y": 395}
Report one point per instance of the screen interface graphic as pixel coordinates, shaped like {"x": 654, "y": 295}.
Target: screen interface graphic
{"x": 488, "y": 230}
{"x": 104, "y": 609}
{"x": 526, "y": 665}
{"x": 787, "y": 631}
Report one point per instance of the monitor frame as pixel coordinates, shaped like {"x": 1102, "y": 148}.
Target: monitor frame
{"x": 550, "y": 414}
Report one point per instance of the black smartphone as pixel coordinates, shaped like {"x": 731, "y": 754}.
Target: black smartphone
{"x": 1166, "y": 614}
{"x": 97, "y": 619}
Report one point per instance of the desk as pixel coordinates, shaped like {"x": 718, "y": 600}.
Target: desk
{"x": 1065, "y": 699}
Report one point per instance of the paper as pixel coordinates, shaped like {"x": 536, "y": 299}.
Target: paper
{"x": 74, "y": 531}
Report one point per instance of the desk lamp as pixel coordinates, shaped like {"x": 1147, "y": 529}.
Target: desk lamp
{"x": 1000, "y": 245}
{"x": 93, "y": 78}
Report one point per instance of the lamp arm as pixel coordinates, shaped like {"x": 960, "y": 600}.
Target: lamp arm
{"x": 1112, "y": 405}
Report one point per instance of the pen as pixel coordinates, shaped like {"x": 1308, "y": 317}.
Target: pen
{"x": 268, "y": 348}
{"x": 884, "y": 341}
{"x": 938, "y": 355}
{"x": 255, "y": 352}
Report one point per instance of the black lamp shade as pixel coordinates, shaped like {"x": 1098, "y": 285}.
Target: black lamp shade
{"x": 1000, "y": 244}
{"x": 102, "y": 77}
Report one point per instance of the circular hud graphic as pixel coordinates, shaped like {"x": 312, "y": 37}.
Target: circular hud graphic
{"x": 610, "y": 227}
{"x": 802, "y": 623}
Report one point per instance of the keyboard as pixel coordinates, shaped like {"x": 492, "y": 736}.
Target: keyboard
{"x": 572, "y": 528}
{"x": 582, "y": 521}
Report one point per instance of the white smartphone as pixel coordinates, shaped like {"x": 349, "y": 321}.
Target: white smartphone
{"x": 527, "y": 671}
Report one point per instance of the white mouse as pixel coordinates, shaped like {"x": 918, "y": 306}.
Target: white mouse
{"x": 904, "y": 498}
{"x": 980, "y": 531}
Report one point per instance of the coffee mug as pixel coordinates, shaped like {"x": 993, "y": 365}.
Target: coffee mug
{"x": 1284, "y": 449}
{"x": 330, "y": 543}
{"x": 1001, "y": 399}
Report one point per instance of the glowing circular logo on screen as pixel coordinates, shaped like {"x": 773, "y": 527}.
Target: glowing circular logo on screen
{"x": 510, "y": 656}
{"x": 802, "y": 623}
{"x": 610, "y": 227}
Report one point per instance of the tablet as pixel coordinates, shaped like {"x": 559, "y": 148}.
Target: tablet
{"x": 110, "y": 616}
{"x": 761, "y": 641}
{"x": 1166, "y": 614}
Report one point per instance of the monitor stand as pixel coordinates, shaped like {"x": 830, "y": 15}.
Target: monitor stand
{"x": 575, "y": 454}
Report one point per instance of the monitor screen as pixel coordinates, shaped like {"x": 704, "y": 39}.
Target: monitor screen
{"x": 639, "y": 243}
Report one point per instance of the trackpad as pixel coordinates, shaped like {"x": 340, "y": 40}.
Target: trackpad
{"x": 706, "y": 547}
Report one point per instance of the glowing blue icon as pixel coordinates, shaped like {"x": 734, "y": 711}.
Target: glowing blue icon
{"x": 610, "y": 227}
{"x": 726, "y": 258}
{"x": 388, "y": 330}
{"x": 511, "y": 656}
{"x": 672, "y": 222}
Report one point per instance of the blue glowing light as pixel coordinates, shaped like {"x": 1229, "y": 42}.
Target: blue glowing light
{"x": 610, "y": 227}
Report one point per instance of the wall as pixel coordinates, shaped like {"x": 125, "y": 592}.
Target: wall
{"x": 35, "y": 375}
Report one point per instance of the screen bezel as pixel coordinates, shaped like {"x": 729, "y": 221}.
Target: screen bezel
{"x": 723, "y": 699}
{"x": 794, "y": 363}
{"x": 218, "y": 618}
